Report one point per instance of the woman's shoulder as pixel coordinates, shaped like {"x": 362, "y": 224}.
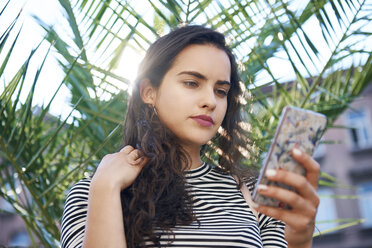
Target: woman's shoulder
{"x": 250, "y": 182}
{"x": 82, "y": 185}
{"x": 79, "y": 191}
{"x": 75, "y": 214}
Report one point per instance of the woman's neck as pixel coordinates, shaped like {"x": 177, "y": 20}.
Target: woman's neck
{"x": 194, "y": 153}
{"x": 196, "y": 164}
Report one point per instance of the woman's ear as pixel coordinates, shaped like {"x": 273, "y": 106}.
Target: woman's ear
{"x": 147, "y": 92}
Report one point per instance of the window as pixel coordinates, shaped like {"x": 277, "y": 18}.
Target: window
{"x": 361, "y": 134}
{"x": 326, "y": 211}
{"x": 365, "y": 203}
{"x": 20, "y": 239}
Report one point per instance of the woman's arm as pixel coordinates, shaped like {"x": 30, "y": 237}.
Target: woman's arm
{"x": 300, "y": 220}
{"x": 105, "y": 224}
{"x": 272, "y": 232}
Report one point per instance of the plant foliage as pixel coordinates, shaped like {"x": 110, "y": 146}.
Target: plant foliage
{"x": 42, "y": 155}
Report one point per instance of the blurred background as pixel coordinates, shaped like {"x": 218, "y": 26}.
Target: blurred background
{"x": 66, "y": 68}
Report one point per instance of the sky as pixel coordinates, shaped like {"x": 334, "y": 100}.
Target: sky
{"x": 31, "y": 35}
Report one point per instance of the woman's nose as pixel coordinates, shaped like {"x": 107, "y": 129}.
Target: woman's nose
{"x": 208, "y": 99}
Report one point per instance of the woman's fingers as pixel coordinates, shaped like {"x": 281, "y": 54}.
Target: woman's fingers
{"x": 120, "y": 169}
{"x": 296, "y": 201}
{"x": 135, "y": 156}
{"x": 302, "y": 215}
{"x": 295, "y": 220}
{"x": 300, "y": 183}
{"x": 127, "y": 149}
{"x": 304, "y": 201}
{"x": 311, "y": 166}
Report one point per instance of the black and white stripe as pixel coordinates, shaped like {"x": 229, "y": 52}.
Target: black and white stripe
{"x": 75, "y": 215}
{"x": 225, "y": 218}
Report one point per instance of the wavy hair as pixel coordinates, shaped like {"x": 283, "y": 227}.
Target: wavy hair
{"x": 158, "y": 197}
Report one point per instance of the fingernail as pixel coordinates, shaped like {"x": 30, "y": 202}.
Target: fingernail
{"x": 297, "y": 152}
{"x": 261, "y": 187}
{"x": 270, "y": 173}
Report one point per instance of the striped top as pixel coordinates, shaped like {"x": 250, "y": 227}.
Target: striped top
{"x": 225, "y": 218}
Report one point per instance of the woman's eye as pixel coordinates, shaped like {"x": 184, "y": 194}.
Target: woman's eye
{"x": 222, "y": 92}
{"x": 191, "y": 83}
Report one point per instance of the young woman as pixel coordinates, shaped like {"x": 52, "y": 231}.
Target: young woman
{"x": 157, "y": 191}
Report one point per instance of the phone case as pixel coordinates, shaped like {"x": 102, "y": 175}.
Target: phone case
{"x": 297, "y": 128}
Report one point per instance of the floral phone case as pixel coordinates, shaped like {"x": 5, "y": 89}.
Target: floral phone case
{"x": 297, "y": 128}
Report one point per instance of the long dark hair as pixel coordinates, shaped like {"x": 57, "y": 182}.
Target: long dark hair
{"x": 158, "y": 197}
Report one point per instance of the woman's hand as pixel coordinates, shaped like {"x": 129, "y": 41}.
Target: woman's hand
{"x": 116, "y": 172}
{"x": 120, "y": 169}
{"x": 300, "y": 220}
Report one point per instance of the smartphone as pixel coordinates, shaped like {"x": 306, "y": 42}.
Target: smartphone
{"x": 298, "y": 128}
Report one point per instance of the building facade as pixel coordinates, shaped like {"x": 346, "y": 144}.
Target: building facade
{"x": 350, "y": 161}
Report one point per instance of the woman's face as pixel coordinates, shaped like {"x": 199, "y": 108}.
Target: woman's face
{"x": 192, "y": 98}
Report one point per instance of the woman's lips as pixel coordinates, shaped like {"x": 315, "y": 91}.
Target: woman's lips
{"x": 203, "y": 120}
